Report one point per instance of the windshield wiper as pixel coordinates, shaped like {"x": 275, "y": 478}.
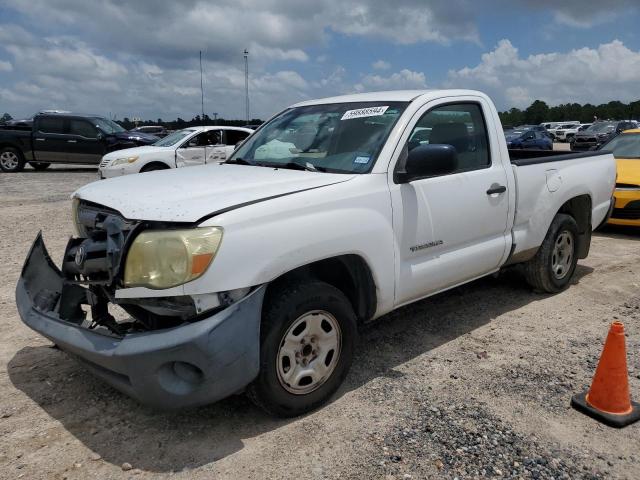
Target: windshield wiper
{"x": 309, "y": 167}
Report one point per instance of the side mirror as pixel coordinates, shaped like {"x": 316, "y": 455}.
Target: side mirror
{"x": 428, "y": 161}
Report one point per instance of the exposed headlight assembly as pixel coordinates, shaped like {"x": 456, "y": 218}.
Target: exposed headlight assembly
{"x": 79, "y": 228}
{"x": 167, "y": 258}
{"x": 123, "y": 160}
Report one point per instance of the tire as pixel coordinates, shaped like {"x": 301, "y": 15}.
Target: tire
{"x": 39, "y": 166}
{"x": 289, "y": 309}
{"x": 551, "y": 270}
{"x": 152, "y": 167}
{"x": 11, "y": 160}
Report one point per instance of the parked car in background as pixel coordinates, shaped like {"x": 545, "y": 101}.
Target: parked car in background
{"x": 553, "y": 131}
{"x": 535, "y": 128}
{"x": 528, "y": 139}
{"x": 183, "y": 148}
{"x": 64, "y": 138}
{"x": 549, "y": 125}
{"x": 257, "y": 274}
{"x": 157, "y": 130}
{"x": 626, "y": 149}
{"x": 567, "y": 133}
{"x": 600, "y": 133}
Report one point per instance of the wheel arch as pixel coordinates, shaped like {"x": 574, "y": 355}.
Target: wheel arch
{"x": 580, "y": 208}
{"x": 5, "y": 144}
{"x": 349, "y": 273}
{"x": 155, "y": 163}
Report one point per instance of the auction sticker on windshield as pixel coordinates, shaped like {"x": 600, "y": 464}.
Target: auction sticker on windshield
{"x": 364, "y": 112}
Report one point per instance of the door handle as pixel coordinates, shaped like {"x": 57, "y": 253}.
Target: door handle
{"x": 40, "y": 139}
{"x": 72, "y": 141}
{"x": 496, "y": 189}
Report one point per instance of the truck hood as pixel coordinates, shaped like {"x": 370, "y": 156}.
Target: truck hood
{"x": 191, "y": 193}
{"x": 131, "y": 152}
{"x": 137, "y": 136}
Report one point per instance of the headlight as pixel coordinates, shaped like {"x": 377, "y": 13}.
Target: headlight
{"x": 79, "y": 228}
{"x": 167, "y": 258}
{"x": 120, "y": 161}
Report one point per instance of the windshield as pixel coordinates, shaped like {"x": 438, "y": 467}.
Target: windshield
{"x": 107, "y": 126}
{"x": 514, "y": 133}
{"x": 338, "y": 137}
{"x": 601, "y": 127}
{"x": 624, "y": 146}
{"x": 174, "y": 138}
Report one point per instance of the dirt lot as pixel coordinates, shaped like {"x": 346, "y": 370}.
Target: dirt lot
{"x": 472, "y": 383}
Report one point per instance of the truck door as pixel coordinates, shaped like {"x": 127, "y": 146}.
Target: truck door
{"x": 450, "y": 228}
{"x": 83, "y": 143}
{"x": 50, "y": 139}
{"x": 193, "y": 151}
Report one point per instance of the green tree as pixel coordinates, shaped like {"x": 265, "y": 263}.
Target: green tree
{"x": 536, "y": 113}
{"x": 5, "y": 118}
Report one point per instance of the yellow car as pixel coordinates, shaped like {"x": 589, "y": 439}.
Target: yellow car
{"x": 626, "y": 148}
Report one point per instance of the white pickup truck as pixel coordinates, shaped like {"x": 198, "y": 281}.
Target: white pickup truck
{"x": 256, "y": 274}
{"x": 183, "y": 148}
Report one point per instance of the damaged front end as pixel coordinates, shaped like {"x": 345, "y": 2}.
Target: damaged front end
{"x": 169, "y": 351}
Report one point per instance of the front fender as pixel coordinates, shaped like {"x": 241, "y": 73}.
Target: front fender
{"x": 265, "y": 240}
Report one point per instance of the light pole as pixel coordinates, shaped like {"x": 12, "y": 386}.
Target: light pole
{"x": 246, "y": 82}
{"x": 201, "y": 89}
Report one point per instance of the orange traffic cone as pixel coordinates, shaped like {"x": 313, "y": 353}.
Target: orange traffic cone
{"x": 608, "y": 399}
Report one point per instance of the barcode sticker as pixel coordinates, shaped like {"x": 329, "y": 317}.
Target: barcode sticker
{"x": 364, "y": 112}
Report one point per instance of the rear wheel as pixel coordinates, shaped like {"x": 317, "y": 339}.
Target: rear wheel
{"x": 39, "y": 165}
{"x": 555, "y": 262}
{"x": 11, "y": 160}
{"x": 308, "y": 336}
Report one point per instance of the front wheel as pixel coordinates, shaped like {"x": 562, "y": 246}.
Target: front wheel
{"x": 11, "y": 160}
{"x": 555, "y": 262}
{"x": 308, "y": 337}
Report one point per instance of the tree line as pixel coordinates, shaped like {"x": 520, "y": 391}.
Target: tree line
{"x": 539, "y": 112}
{"x": 180, "y": 123}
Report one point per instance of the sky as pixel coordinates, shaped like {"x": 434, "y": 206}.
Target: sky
{"x": 141, "y": 58}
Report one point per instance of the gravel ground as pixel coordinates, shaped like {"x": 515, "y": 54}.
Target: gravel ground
{"x": 473, "y": 383}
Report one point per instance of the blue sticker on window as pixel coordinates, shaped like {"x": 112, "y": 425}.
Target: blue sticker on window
{"x": 362, "y": 159}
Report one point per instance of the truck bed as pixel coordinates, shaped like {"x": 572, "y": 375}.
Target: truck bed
{"x": 549, "y": 180}
{"x": 522, "y": 157}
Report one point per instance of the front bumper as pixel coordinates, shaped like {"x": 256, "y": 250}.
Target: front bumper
{"x": 192, "y": 364}
{"x": 104, "y": 173}
{"x": 627, "y": 208}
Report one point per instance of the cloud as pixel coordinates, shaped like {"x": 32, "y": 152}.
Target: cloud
{"x": 70, "y": 75}
{"x": 142, "y": 57}
{"x": 403, "y": 80}
{"x": 5, "y": 66}
{"x": 581, "y": 13}
{"x": 381, "y": 65}
{"x": 277, "y": 29}
{"x": 595, "y": 75}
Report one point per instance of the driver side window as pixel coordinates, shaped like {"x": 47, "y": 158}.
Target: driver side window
{"x": 201, "y": 140}
{"x": 460, "y": 125}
